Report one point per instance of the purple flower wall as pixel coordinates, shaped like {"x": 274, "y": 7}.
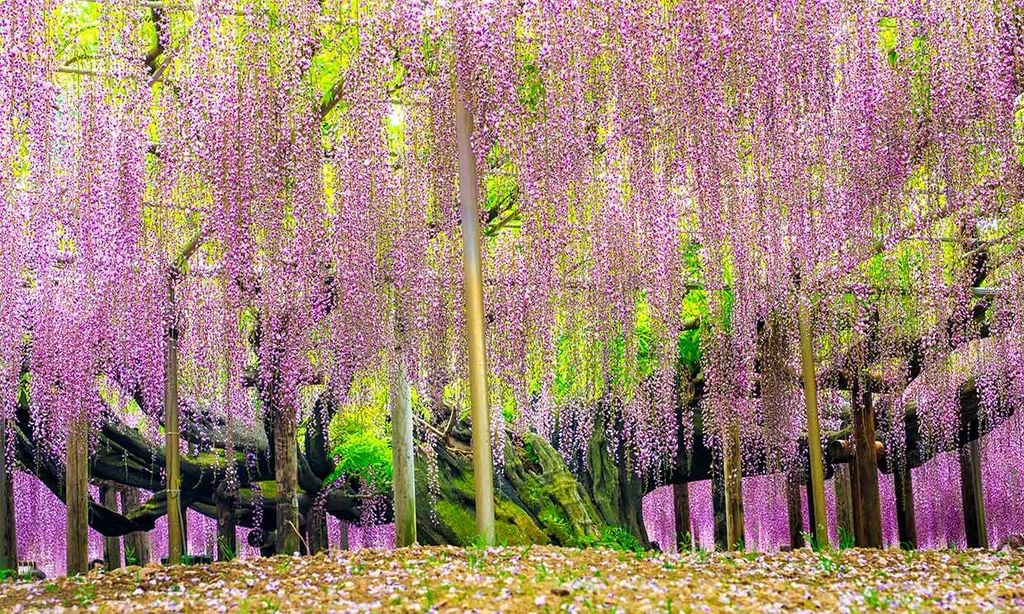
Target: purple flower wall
{"x": 937, "y": 501}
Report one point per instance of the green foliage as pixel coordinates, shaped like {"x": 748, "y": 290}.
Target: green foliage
{"x": 366, "y": 455}
{"x": 361, "y": 447}
{"x": 846, "y": 540}
{"x": 224, "y": 546}
{"x": 612, "y": 538}
{"x": 812, "y": 541}
{"x": 875, "y": 600}
{"x": 828, "y": 562}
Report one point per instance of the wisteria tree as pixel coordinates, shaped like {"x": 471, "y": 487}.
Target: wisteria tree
{"x": 250, "y": 211}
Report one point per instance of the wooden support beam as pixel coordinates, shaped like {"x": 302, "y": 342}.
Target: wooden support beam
{"x": 856, "y": 511}
{"x": 681, "y": 513}
{"x": 816, "y": 483}
{"x": 175, "y": 513}
{"x": 810, "y": 512}
{"x": 226, "y": 499}
{"x": 343, "y": 536}
{"x": 906, "y": 521}
{"x": 844, "y": 501}
{"x": 76, "y": 497}
{"x": 8, "y": 534}
{"x": 316, "y": 529}
{"x": 402, "y": 450}
{"x": 136, "y": 545}
{"x": 111, "y": 545}
{"x": 794, "y": 513}
{"x": 472, "y": 280}
{"x": 973, "y": 495}
{"x": 733, "y": 490}
{"x": 718, "y": 506}
{"x": 868, "y": 500}
{"x": 286, "y": 474}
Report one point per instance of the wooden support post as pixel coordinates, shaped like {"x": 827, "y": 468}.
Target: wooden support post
{"x": 844, "y": 502}
{"x": 175, "y": 513}
{"x": 718, "y": 506}
{"x": 973, "y": 495}
{"x": 816, "y": 484}
{"x": 733, "y": 490}
{"x": 226, "y": 497}
{"x": 868, "y": 500}
{"x": 286, "y": 473}
{"x": 856, "y": 511}
{"x": 8, "y": 535}
{"x": 472, "y": 280}
{"x": 794, "y": 513}
{"x": 810, "y": 510}
{"x": 111, "y": 545}
{"x": 905, "y": 520}
{"x": 136, "y": 545}
{"x": 402, "y": 456}
{"x": 343, "y": 536}
{"x": 681, "y": 512}
{"x": 316, "y": 529}
{"x": 76, "y": 496}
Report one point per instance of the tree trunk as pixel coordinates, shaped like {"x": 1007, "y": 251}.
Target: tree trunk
{"x": 136, "y": 545}
{"x": 111, "y": 545}
{"x": 289, "y": 540}
{"x": 972, "y": 493}
{"x": 8, "y": 536}
{"x": 794, "y": 513}
{"x": 905, "y": 520}
{"x": 869, "y": 502}
{"x": 77, "y": 497}
{"x": 681, "y": 513}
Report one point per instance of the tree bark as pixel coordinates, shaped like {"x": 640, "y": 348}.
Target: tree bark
{"x": 111, "y": 545}
{"x": 76, "y": 497}
{"x": 972, "y": 493}
{"x": 136, "y": 545}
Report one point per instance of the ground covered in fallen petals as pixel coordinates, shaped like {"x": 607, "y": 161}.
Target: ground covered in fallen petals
{"x": 549, "y": 579}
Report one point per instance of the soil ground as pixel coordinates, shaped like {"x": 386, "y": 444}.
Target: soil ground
{"x": 547, "y": 579}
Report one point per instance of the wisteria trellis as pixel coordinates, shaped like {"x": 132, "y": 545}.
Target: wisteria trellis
{"x": 742, "y": 156}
